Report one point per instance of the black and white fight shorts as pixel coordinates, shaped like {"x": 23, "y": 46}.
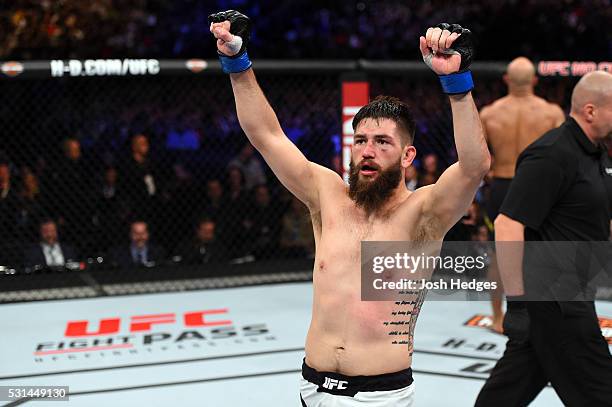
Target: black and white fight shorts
{"x": 325, "y": 389}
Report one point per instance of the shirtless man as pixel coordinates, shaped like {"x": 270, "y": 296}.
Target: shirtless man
{"x": 511, "y": 124}
{"x": 346, "y": 337}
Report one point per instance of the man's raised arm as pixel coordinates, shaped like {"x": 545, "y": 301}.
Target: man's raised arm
{"x": 255, "y": 114}
{"x": 447, "y": 49}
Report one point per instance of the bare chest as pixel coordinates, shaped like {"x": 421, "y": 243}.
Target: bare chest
{"x": 343, "y": 229}
{"x": 349, "y": 225}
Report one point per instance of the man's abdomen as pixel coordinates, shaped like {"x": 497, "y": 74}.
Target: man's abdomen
{"x": 356, "y": 338}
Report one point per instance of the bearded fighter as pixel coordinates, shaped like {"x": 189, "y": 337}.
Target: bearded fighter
{"x": 350, "y": 360}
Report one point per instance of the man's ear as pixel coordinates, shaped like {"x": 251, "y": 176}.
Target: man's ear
{"x": 408, "y": 156}
{"x": 588, "y": 111}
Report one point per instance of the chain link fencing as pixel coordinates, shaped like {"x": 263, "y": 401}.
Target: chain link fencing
{"x": 114, "y": 162}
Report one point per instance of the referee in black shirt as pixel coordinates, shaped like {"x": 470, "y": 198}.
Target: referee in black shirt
{"x": 562, "y": 191}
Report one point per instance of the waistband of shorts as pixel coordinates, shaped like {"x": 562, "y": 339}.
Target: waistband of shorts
{"x": 350, "y": 385}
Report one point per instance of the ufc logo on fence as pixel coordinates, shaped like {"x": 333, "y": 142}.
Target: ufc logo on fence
{"x": 330, "y": 384}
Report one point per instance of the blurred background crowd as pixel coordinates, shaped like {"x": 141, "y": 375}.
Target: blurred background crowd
{"x": 550, "y": 29}
{"x": 141, "y": 172}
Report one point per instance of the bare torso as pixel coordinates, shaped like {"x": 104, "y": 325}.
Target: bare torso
{"x": 347, "y": 335}
{"x": 512, "y": 123}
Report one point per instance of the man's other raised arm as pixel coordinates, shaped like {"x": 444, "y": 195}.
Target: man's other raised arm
{"x": 256, "y": 116}
{"x": 447, "y": 50}
{"x": 261, "y": 126}
{"x": 454, "y": 191}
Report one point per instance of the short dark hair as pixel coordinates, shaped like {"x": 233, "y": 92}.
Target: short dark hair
{"x": 137, "y": 134}
{"x": 46, "y": 220}
{"x": 389, "y": 107}
{"x": 69, "y": 139}
{"x": 204, "y": 219}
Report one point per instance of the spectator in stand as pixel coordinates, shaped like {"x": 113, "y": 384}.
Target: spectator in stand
{"x": 180, "y": 195}
{"x": 5, "y": 177}
{"x": 262, "y": 224}
{"x": 215, "y": 200}
{"x": 9, "y": 206}
{"x": 8, "y": 200}
{"x": 30, "y": 210}
{"x": 430, "y": 171}
{"x": 231, "y": 221}
{"x": 109, "y": 185}
{"x": 203, "y": 247}
{"x": 66, "y": 195}
{"x": 235, "y": 184}
{"x": 412, "y": 178}
{"x": 297, "y": 237}
{"x": 110, "y": 214}
{"x": 140, "y": 252}
{"x": 250, "y": 166}
{"x": 183, "y": 136}
{"x": 49, "y": 252}
{"x": 139, "y": 180}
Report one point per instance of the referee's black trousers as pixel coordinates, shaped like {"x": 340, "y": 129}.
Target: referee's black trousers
{"x": 565, "y": 348}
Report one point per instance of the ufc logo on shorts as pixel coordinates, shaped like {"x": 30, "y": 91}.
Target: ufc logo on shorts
{"x": 331, "y": 383}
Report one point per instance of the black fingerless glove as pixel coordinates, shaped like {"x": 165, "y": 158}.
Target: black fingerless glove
{"x": 240, "y": 25}
{"x": 461, "y": 81}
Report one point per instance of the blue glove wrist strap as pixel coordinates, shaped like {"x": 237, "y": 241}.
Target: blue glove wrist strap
{"x": 457, "y": 83}
{"x": 235, "y": 64}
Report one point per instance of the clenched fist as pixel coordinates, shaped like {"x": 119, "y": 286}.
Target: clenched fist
{"x": 233, "y": 32}
{"x": 447, "y": 48}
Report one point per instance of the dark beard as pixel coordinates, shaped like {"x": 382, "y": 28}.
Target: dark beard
{"x": 371, "y": 195}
